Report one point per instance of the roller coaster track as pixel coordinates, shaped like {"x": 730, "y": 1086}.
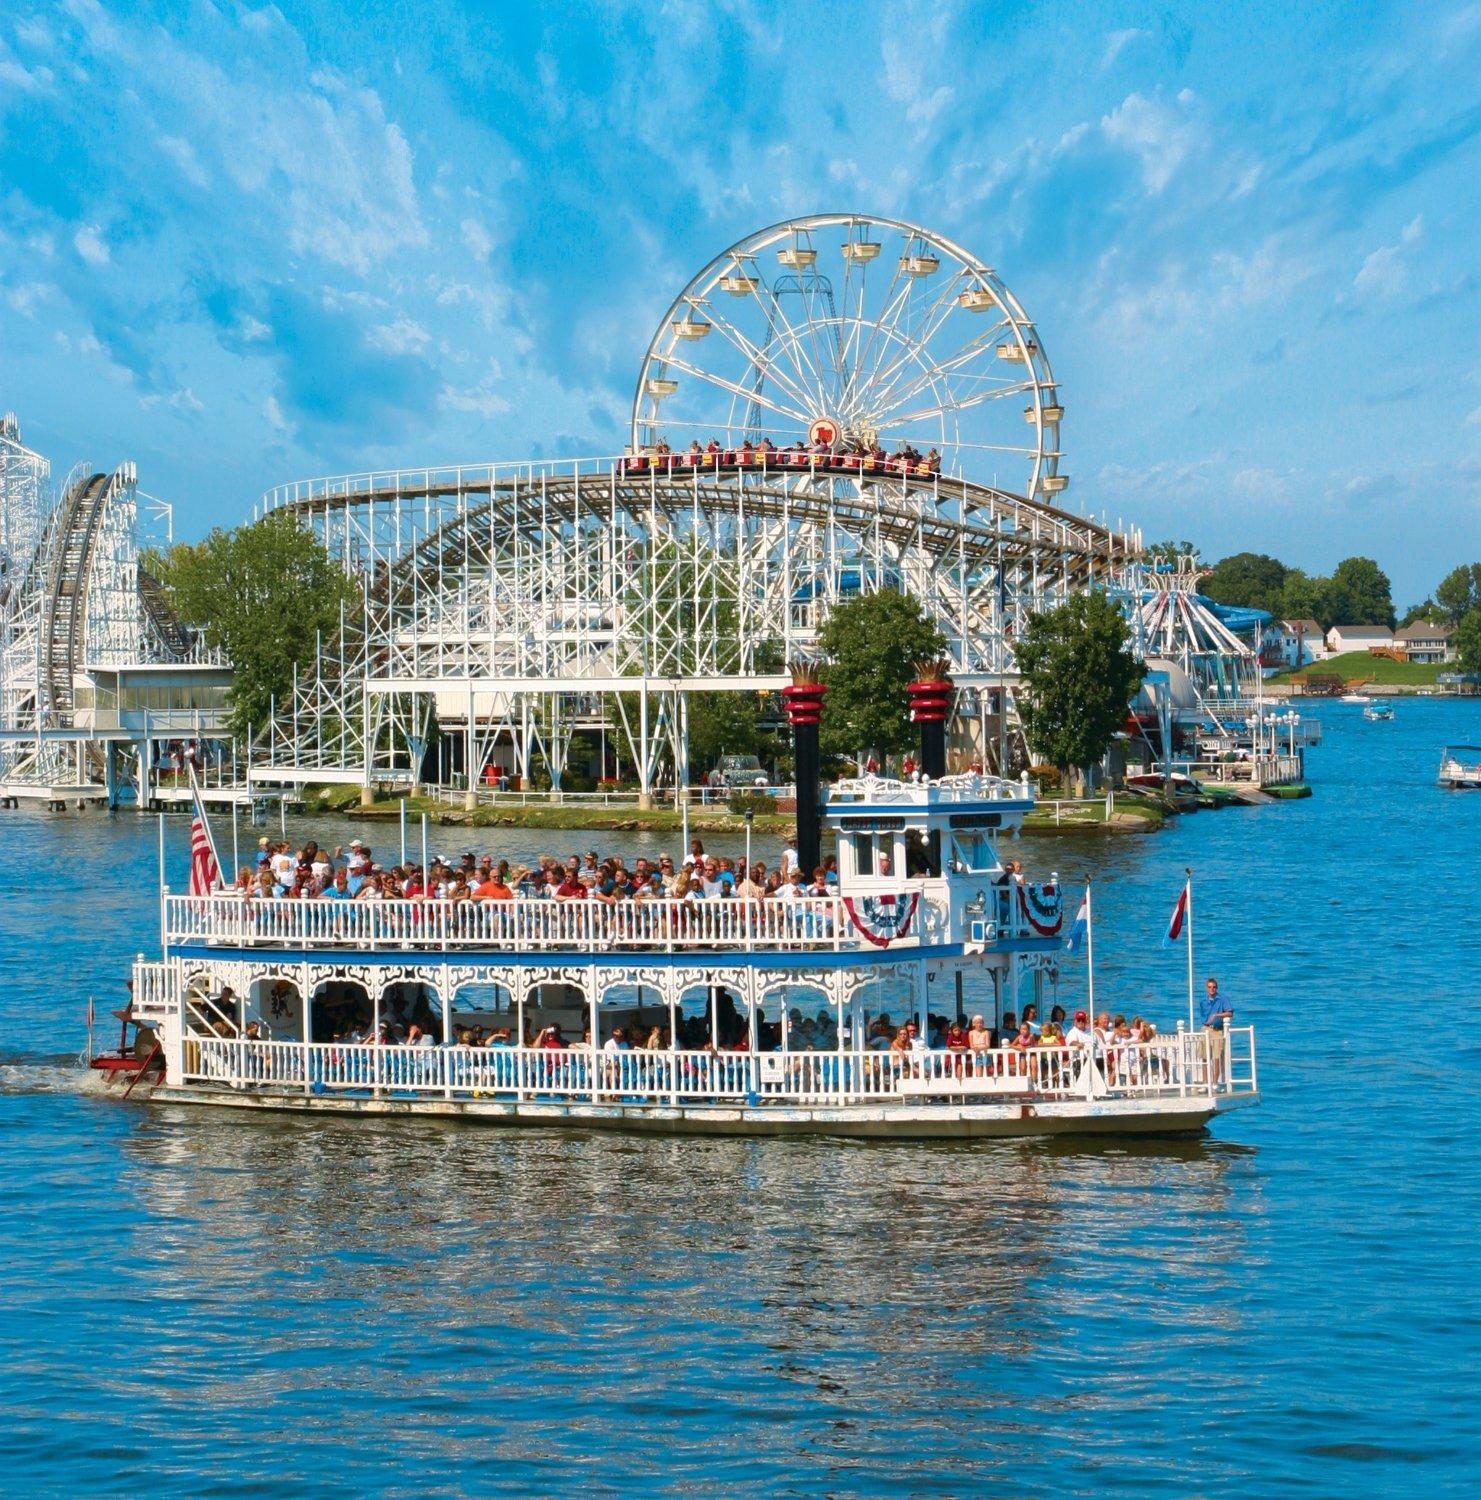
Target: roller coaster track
{"x": 75, "y": 528}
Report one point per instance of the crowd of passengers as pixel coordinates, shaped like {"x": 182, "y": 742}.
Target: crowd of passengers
{"x": 906, "y": 459}
{"x": 315, "y": 873}
{"x": 1107, "y": 1037}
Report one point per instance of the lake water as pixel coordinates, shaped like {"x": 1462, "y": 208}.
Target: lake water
{"x": 209, "y": 1304}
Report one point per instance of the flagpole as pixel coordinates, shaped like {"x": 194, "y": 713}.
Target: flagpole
{"x": 1090, "y": 1064}
{"x": 200, "y": 812}
{"x": 1189, "y": 889}
{"x": 1090, "y": 953}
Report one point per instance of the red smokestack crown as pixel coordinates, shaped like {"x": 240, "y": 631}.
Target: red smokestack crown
{"x": 930, "y": 701}
{"x": 804, "y": 702}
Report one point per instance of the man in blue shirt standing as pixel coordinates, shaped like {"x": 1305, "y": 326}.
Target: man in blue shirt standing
{"x": 1216, "y": 1017}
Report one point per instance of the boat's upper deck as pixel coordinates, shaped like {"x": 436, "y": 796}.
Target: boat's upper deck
{"x": 911, "y": 916}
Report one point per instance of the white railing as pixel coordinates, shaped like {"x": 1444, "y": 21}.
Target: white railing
{"x": 1175, "y": 1066}
{"x": 154, "y": 990}
{"x": 531, "y": 925}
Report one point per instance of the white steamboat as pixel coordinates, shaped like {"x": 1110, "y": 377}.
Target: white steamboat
{"x": 250, "y": 1001}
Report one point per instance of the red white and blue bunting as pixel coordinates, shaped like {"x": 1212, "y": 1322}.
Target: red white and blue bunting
{"x": 882, "y": 919}
{"x": 1042, "y": 908}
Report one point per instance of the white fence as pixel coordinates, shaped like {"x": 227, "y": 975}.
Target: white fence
{"x": 1176, "y": 1066}
{"x": 531, "y": 925}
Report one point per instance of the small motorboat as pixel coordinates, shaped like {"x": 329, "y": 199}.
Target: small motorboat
{"x": 1355, "y": 698}
{"x": 1460, "y": 767}
{"x": 1378, "y": 712}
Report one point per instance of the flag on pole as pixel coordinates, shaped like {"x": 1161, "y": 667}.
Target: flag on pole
{"x": 205, "y": 870}
{"x": 1179, "y": 916}
{"x": 1080, "y": 928}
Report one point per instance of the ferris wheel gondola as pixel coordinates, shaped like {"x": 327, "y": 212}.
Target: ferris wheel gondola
{"x": 871, "y": 332}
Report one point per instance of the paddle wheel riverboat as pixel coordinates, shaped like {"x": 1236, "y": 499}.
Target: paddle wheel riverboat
{"x": 252, "y": 999}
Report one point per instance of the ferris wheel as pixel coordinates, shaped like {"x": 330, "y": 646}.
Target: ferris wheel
{"x": 848, "y": 330}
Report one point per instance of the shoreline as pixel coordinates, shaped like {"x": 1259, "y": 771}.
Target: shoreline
{"x": 1131, "y": 814}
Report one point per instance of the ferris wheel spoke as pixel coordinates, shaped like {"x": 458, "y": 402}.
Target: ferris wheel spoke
{"x": 888, "y": 375}
{"x": 792, "y": 342}
{"x": 907, "y": 337}
{"x": 965, "y": 403}
{"x": 757, "y": 357}
{"x": 737, "y": 390}
{"x": 955, "y": 367}
{"x": 981, "y": 343}
{"x": 897, "y": 295}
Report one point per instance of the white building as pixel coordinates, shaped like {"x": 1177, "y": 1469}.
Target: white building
{"x": 1342, "y": 638}
{"x": 1425, "y": 641}
{"x": 1292, "y": 644}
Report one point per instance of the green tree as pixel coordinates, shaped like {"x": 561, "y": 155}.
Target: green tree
{"x": 1428, "y": 610}
{"x": 1459, "y": 592}
{"x": 1306, "y": 597}
{"x": 872, "y": 643}
{"x": 1468, "y": 640}
{"x": 721, "y": 724}
{"x": 262, "y": 594}
{"x": 1362, "y": 593}
{"x": 1080, "y": 676}
{"x": 1249, "y": 578}
{"x": 1169, "y": 551}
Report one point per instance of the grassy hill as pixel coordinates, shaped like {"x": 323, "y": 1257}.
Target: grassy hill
{"x": 1359, "y": 665}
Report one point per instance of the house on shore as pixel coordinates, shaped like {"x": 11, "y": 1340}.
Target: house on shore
{"x": 1341, "y": 638}
{"x": 1425, "y": 641}
{"x": 1292, "y": 644}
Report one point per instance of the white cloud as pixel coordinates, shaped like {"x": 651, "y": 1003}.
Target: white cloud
{"x": 910, "y": 71}
{"x": 24, "y": 297}
{"x": 1118, "y": 42}
{"x": 401, "y": 337}
{"x": 273, "y": 415}
{"x": 316, "y": 159}
{"x": 482, "y": 399}
{"x": 1384, "y": 273}
{"x": 35, "y": 80}
{"x": 254, "y": 330}
{"x": 182, "y": 153}
{"x": 1159, "y": 137}
{"x": 91, "y": 246}
{"x": 476, "y": 238}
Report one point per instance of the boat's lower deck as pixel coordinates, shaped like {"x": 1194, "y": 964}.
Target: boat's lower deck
{"x": 883, "y": 1120}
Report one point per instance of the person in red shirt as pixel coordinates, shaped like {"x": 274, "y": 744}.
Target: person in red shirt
{"x": 570, "y": 889}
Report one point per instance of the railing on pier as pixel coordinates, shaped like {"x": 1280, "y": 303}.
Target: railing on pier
{"x": 1176, "y": 1066}
{"x": 532, "y": 925}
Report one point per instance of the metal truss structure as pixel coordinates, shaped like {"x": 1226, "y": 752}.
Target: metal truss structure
{"x": 513, "y": 603}
{"x": 509, "y": 599}
{"x": 72, "y": 598}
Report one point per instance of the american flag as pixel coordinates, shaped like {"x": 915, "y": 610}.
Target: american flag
{"x": 205, "y": 873}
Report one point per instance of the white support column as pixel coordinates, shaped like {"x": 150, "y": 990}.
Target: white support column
{"x": 447, "y": 1019}
{"x": 593, "y": 1009}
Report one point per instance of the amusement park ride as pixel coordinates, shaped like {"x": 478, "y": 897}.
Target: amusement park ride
{"x": 833, "y": 405}
{"x": 512, "y": 602}
{"x": 97, "y": 675}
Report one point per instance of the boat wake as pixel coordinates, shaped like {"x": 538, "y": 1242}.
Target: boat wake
{"x": 39, "y": 1073}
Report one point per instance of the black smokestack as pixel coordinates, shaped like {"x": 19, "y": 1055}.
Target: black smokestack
{"x": 930, "y": 703}
{"x": 804, "y": 704}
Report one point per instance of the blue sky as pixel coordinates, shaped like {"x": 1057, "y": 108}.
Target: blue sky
{"x": 248, "y": 245}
